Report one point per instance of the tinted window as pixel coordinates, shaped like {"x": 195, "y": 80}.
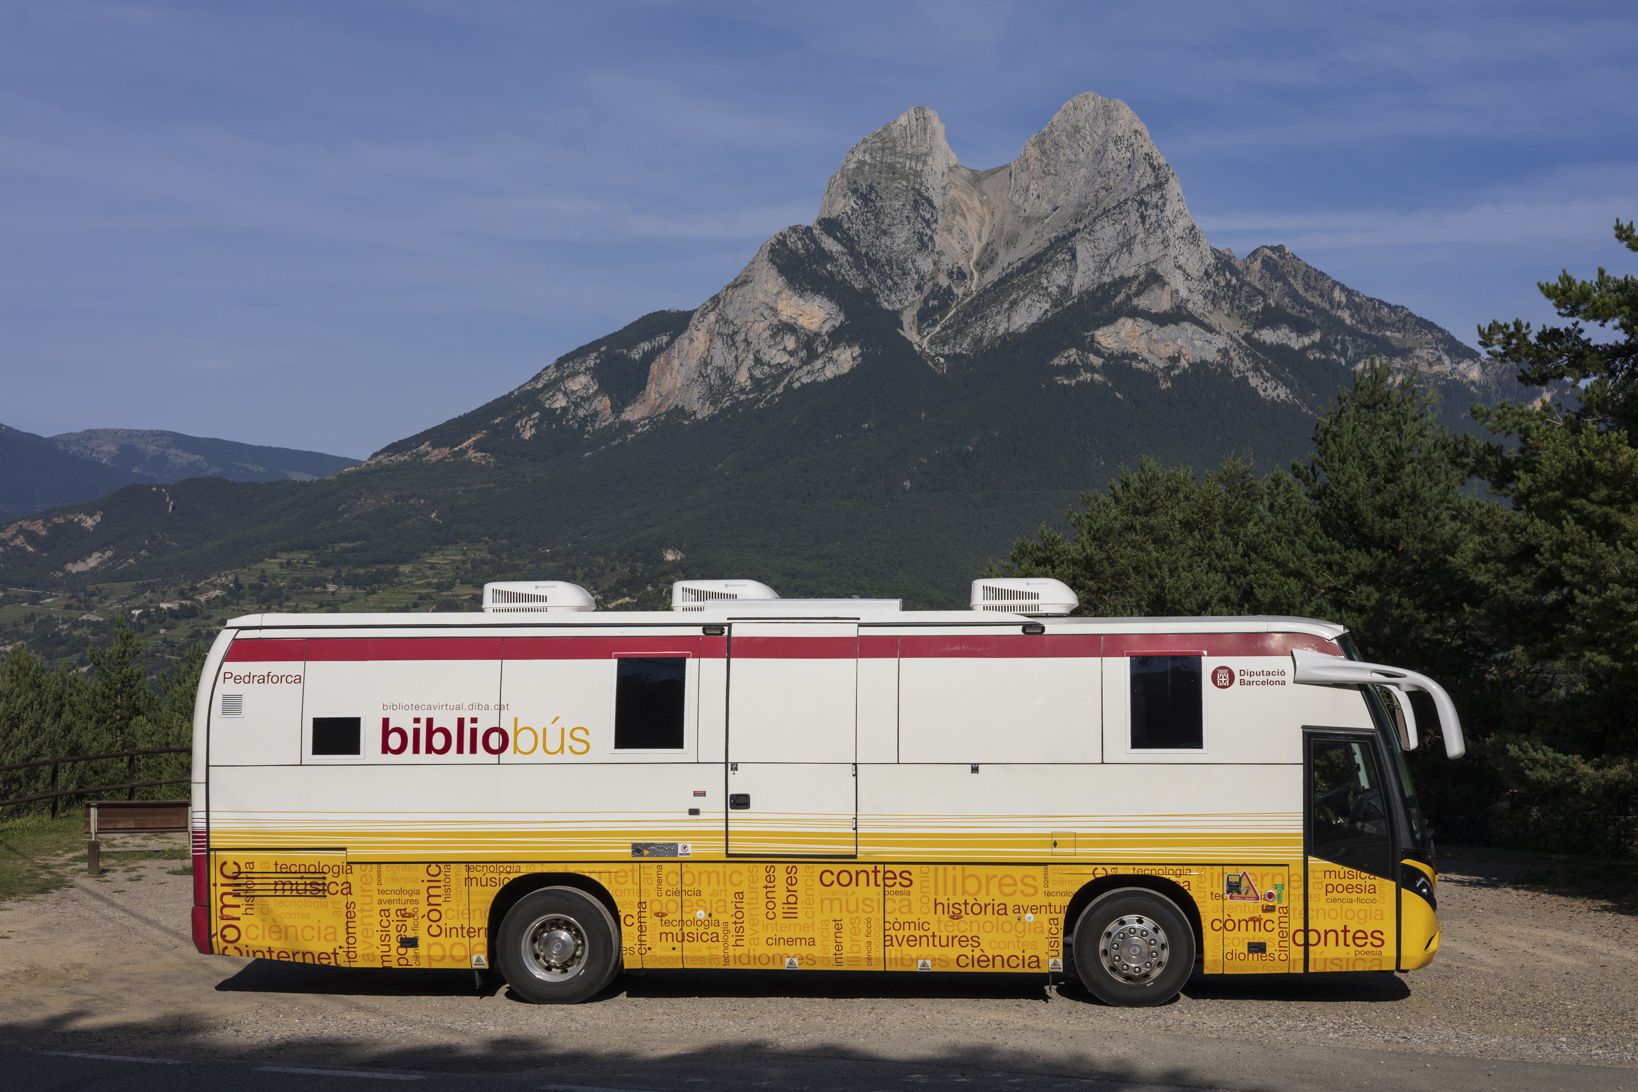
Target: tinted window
{"x": 648, "y": 704}
{"x": 1348, "y": 818}
{"x": 336, "y": 736}
{"x": 1166, "y": 702}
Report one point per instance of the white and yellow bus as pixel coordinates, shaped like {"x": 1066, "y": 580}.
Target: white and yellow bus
{"x": 559, "y": 793}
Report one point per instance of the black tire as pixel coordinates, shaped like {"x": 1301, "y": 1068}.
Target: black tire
{"x": 558, "y": 946}
{"x": 1133, "y": 947}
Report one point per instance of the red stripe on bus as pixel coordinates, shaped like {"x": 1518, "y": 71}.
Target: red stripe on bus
{"x": 339, "y": 649}
{"x": 1215, "y": 644}
{"x": 266, "y": 650}
{"x": 993, "y": 646}
{"x": 403, "y": 648}
{"x": 602, "y": 648}
{"x": 873, "y": 647}
{"x": 795, "y": 648}
{"x": 1024, "y": 646}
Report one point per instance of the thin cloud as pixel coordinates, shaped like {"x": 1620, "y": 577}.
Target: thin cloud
{"x": 1566, "y": 208}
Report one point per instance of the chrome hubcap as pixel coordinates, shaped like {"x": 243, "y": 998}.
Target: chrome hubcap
{"x": 554, "y": 947}
{"x": 1134, "y": 948}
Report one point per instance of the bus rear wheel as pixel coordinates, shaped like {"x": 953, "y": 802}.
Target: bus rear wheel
{"x": 558, "y": 946}
{"x": 1133, "y": 947}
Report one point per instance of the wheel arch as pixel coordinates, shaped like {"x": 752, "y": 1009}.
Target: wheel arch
{"x": 1160, "y": 885}
{"x": 508, "y": 896}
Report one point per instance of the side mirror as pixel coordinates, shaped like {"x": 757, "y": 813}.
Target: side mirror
{"x": 1319, "y": 669}
{"x": 1404, "y": 719}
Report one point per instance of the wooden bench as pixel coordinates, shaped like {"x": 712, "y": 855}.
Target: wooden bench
{"x": 129, "y": 817}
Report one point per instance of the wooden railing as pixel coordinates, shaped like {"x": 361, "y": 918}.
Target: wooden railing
{"x": 56, "y": 795}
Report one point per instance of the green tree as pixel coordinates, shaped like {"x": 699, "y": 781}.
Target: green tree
{"x": 170, "y": 723}
{"x": 1603, "y": 368}
{"x": 31, "y": 719}
{"x": 104, "y": 713}
{"x": 1387, "y": 481}
{"x": 1163, "y": 541}
{"x": 1565, "y": 594}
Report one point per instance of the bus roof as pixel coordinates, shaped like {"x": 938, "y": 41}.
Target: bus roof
{"x": 835, "y": 611}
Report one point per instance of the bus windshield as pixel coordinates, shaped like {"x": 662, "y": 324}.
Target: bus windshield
{"x": 1386, "y": 723}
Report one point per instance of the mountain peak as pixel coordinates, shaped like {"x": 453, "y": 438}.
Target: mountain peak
{"x": 1093, "y": 152}
{"x": 886, "y": 198}
{"x": 905, "y": 160}
{"x": 919, "y": 127}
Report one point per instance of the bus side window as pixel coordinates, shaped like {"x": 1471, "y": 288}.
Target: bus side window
{"x": 337, "y": 737}
{"x": 648, "y": 703}
{"x": 1166, "y": 707}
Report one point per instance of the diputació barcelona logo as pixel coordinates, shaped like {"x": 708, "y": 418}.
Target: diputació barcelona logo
{"x": 1222, "y": 677}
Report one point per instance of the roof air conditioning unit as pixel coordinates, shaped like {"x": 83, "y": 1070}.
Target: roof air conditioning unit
{"x": 1032, "y": 595}
{"x": 536, "y": 595}
{"x": 700, "y": 594}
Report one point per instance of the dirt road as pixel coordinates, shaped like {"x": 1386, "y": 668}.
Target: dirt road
{"x": 1529, "y": 990}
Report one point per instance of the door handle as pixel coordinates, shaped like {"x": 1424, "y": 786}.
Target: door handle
{"x": 739, "y": 801}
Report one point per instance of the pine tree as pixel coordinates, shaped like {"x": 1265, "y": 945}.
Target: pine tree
{"x": 170, "y": 724}
{"x": 105, "y": 712}
{"x": 31, "y": 719}
{"x": 1603, "y": 369}
{"x": 1565, "y": 562}
{"x": 1386, "y": 481}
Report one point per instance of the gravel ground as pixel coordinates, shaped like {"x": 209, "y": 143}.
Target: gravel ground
{"x": 1524, "y": 980}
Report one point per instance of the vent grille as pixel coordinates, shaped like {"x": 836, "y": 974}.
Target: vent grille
{"x": 696, "y": 594}
{"x": 1030, "y": 596}
{"x": 233, "y": 705}
{"x": 536, "y": 595}
{"x": 1006, "y": 598}
{"x": 703, "y": 595}
{"x": 504, "y": 597}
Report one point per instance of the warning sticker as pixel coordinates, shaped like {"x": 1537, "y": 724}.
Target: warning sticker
{"x": 1240, "y": 887}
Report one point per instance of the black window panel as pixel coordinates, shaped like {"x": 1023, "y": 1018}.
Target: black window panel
{"x": 337, "y": 736}
{"x": 1166, "y": 703}
{"x": 648, "y": 703}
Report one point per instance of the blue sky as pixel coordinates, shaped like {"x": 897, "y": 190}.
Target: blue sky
{"x": 331, "y": 224}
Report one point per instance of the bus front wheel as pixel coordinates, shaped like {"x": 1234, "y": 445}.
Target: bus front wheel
{"x": 1133, "y": 947}
{"x": 558, "y": 946}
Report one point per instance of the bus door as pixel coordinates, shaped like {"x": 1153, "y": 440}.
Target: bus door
{"x": 1351, "y": 896}
{"x": 792, "y": 709}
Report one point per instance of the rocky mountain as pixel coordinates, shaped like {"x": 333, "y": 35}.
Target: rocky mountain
{"x": 962, "y": 261}
{"x": 880, "y": 401}
{"x": 38, "y": 472}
